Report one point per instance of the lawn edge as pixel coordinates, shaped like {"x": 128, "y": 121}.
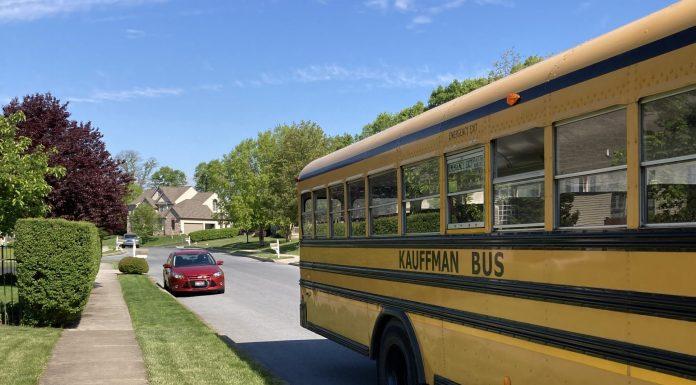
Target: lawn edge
{"x": 225, "y": 339}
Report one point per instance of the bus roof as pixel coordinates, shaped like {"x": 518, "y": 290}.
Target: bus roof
{"x": 663, "y": 31}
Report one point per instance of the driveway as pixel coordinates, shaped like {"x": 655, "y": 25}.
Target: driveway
{"x": 259, "y": 312}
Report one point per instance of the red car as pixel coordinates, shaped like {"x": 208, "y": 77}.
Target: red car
{"x": 191, "y": 271}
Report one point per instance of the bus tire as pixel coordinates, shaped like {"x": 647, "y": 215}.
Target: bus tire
{"x": 396, "y": 364}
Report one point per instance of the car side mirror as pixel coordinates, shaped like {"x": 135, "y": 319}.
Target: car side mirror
{"x": 219, "y": 263}
{"x": 167, "y": 266}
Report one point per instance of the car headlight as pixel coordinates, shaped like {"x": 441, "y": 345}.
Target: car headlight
{"x": 218, "y": 274}
{"x": 178, "y": 276}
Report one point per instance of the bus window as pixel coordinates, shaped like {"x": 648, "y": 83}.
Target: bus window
{"x": 421, "y": 197}
{"x": 321, "y": 211}
{"x": 669, "y": 158}
{"x": 591, "y": 170}
{"x": 465, "y": 177}
{"x": 307, "y": 224}
{"x": 383, "y": 204}
{"x": 338, "y": 224}
{"x": 356, "y": 208}
{"x": 518, "y": 186}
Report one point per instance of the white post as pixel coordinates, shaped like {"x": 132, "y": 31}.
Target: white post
{"x": 188, "y": 240}
{"x": 134, "y": 247}
{"x": 276, "y": 246}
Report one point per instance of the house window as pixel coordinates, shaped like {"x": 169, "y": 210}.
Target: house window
{"x": 356, "y": 208}
{"x": 209, "y": 226}
{"x": 591, "y": 170}
{"x": 518, "y": 185}
{"x": 421, "y": 197}
{"x": 173, "y": 224}
{"x": 465, "y": 198}
{"x": 669, "y": 158}
{"x": 215, "y": 205}
{"x": 383, "y": 204}
{"x": 338, "y": 224}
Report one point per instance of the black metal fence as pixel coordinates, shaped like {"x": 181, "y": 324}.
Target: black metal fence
{"x": 9, "y": 294}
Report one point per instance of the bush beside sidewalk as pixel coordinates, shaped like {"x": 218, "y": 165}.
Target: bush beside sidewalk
{"x": 177, "y": 346}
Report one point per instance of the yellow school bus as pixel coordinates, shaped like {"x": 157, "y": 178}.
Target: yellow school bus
{"x": 539, "y": 230}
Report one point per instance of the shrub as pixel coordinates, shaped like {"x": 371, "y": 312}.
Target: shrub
{"x": 57, "y": 261}
{"x": 208, "y": 235}
{"x": 133, "y": 265}
{"x": 423, "y": 222}
{"x": 385, "y": 225}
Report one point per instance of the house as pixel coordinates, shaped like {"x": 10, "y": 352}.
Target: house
{"x": 181, "y": 209}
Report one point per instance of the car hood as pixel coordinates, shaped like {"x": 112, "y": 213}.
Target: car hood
{"x": 197, "y": 270}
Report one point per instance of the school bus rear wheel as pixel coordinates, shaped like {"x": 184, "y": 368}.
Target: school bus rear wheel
{"x": 396, "y": 364}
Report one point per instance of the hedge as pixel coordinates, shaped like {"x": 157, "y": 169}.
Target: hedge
{"x": 133, "y": 265}
{"x": 208, "y": 235}
{"x": 57, "y": 261}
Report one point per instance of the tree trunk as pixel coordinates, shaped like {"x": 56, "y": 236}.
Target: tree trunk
{"x": 261, "y": 234}
{"x": 288, "y": 233}
{"x": 247, "y": 234}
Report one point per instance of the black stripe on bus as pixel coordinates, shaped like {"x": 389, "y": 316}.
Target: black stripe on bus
{"x": 439, "y": 380}
{"x": 660, "y": 360}
{"x": 636, "y": 55}
{"x": 347, "y": 342}
{"x": 634, "y": 240}
{"x": 651, "y": 304}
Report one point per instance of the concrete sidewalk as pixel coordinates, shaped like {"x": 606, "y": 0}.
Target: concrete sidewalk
{"x": 103, "y": 348}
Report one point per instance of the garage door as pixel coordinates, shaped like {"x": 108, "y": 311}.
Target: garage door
{"x": 191, "y": 227}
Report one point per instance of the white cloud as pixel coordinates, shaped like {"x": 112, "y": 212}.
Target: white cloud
{"x": 425, "y": 12}
{"x": 134, "y": 33}
{"x": 127, "y": 95}
{"x": 370, "y": 77}
{"x": 23, "y": 10}
{"x": 403, "y": 5}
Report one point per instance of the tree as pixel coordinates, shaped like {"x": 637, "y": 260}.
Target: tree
{"x": 23, "y": 186}
{"x": 208, "y": 176}
{"x": 386, "y": 120}
{"x": 167, "y": 176}
{"x": 509, "y": 63}
{"x": 138, "y": 168}
{"x": 289, "y": 147}
{"x": 144, "y": 222}
{"x": 442, "y": 95}
{"x": 245, "y": 196}
{"x": 94, "y": 186}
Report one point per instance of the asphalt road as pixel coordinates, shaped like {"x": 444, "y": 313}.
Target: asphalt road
{"x": 259, "y": 312}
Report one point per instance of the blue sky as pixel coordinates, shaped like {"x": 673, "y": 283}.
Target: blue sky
{"x": 162, "y": 76}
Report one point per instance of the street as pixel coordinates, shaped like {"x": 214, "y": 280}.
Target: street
{"x": 259, "y": 312}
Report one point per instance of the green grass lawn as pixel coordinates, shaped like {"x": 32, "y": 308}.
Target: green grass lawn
{"x": 239, "y": 243}
{"x": 8, "y": 294}
{"x": 24, "y": 353}
{"x": 178, "y": 348}
{"x": 166, "y": 240}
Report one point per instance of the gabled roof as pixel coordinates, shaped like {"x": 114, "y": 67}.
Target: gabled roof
{"x": 171, "y": 194}
{"x": 193, "y": 208}
{"x": 145, "y": 196}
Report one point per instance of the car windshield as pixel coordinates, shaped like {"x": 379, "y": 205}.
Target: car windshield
{"x": 193, "y": 260}
{"x": 130, "y": 236}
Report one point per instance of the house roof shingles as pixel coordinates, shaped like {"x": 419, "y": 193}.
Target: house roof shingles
{"x": 193, "y": 209}
{"x": 171, "y": 194}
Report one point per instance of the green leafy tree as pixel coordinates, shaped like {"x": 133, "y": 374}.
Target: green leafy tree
{"x": 386, "y": 120}
{"x": 144, "y": 222}
{"x": 23, "y": 186}
{"x": 245, "y": 196}
{"x": 209, "y": 176}
{"x": 509, "y": 63}
{"x": 168, "y": 177}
